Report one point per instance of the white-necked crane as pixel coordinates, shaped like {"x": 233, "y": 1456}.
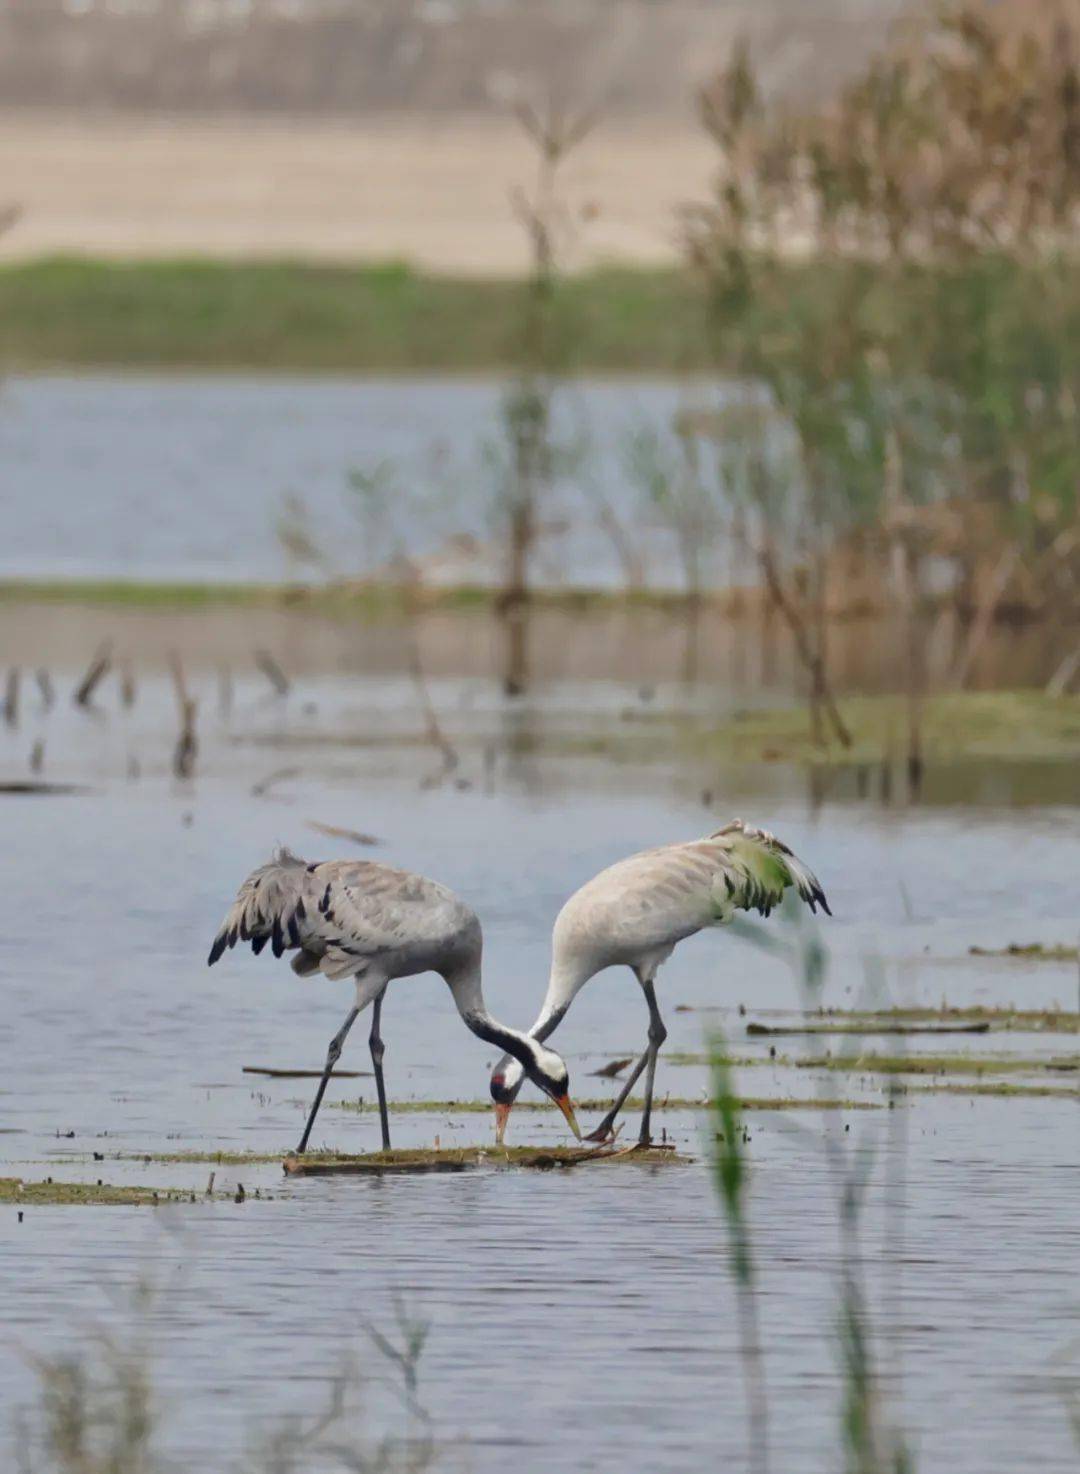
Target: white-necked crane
{"x": 635, "y": 913}
{"x": 371, "y": 923}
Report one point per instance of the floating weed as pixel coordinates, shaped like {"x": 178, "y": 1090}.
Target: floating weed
{"x": 1001, "y": 1020}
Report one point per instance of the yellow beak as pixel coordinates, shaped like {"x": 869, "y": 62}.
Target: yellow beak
{"x": 502, "y": 1116}
{"x": 563, "y": 1102}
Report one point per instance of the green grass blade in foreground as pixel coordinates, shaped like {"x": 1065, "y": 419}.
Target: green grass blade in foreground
{"x": 730, "y": 1172}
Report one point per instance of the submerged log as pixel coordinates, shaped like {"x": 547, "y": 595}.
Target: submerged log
{"x": 302, "y": 1074}
{"x": 37, "y": 786}
{"x": 782, "y": 1031}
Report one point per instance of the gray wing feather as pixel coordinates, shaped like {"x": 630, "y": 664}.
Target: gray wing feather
{"x": 341, "y": 916}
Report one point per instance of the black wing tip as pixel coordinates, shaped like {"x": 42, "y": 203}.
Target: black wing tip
{"x": 819, "y": 897}
{"x": 221, "y": 941}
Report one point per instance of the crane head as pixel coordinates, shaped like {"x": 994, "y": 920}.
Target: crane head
{"x": 507, "y": 1078}
{"x": 547, "y": 1070}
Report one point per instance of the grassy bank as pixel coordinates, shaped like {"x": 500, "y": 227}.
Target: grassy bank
{"x": 957, "y": 725}
{"x": 292, "y": 316}
{"x": 348, "y": 600}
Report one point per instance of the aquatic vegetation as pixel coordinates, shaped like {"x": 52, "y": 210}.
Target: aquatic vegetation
{"x": 210, "y": 1159}
{"x": 51, "y": 1193}
{"x": 939, "y": 1064}
{"x": 1001, "y": 1019}
{"x": 997, "y": 1087}
{"x": 100, "y": 1408}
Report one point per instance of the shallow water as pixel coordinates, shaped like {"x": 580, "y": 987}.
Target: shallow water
{"x": 579, "y": 1319}
{"x": 81, "y": 454}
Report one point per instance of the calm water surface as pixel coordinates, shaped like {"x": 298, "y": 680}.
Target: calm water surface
{"x": 186, "y": 478}
{"x": 583, "y": 1321}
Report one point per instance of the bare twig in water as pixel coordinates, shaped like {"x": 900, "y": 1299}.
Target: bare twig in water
{"x": 810, "y": 658}
{"x": 279, "y": 775}
{"x": 187, "y": 745}
{"x": 127, "y": 685}
{"x": 435, "y": 734}
{"x": 180, "y": 686}
{"x": 45, "y": 686}
{"x": 11, "y": 697}
{"x": 335, "y": 831}
{"x": 97, "y": 669}
{"x": 984, "y": 615}
{"x": 272, "y": 671}
{"x": 37, "y": 756}
{"x": 1062, "y": 678}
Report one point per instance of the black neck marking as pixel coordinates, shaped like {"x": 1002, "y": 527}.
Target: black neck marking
{"x": 505, "y": 1039}
{"x": 551, "y": 1023}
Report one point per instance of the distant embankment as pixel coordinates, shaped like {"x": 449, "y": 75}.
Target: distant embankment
{"x": 365, "y": 130}
{"x": 351, "y": 57}
{"x": 288, "y": 316}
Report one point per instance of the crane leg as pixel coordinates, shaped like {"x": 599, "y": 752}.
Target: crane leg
{"x": 378, "y": 1049}
{"x": 657, "y": 1035}
{"x": 603, "y": 1131}
{"x": 332, "y": 1056}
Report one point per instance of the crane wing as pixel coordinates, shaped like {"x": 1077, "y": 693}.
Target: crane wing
{"x": 643, "y": 906}
{"x": 756, "y": 869}
{"x": 342, "y": 915}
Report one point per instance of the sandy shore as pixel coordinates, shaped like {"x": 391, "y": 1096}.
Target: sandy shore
{"x": 435, "y": 191}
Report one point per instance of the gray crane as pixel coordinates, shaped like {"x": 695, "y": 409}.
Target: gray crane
{"x": 354, "y": 920}
{"x": 635, "y": 913}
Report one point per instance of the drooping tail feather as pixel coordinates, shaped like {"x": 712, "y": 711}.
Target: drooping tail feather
{"x": 269, "y": 907}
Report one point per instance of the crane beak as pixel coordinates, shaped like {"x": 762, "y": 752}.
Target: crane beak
{"x": 502, "y": 1116}
{"x": 563, "y": 1102}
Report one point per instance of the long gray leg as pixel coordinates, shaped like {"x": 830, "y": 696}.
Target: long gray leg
{"x": 657, "y": 1035}
{"x": 378, "y": 1049}
{"x": 603, "y": 1131}
{"x": 332, "y": 1056}
{"x": 656, "y": 1028}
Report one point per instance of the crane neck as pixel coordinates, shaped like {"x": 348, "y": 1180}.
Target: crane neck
{"x": 467, "y": 990}
{"x": 564, "y": 983}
